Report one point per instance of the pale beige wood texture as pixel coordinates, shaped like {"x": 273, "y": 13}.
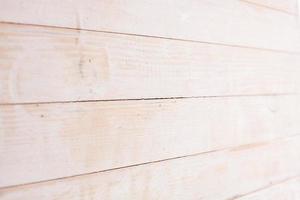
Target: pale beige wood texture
{"x": 287, "y": 190}
{"x": 49, "y": 64}
{"x": 228, "y": 21}
{"x": 223, "y": 175}
{"x": 289, "y": 6}
{"x": 48, "y": 141}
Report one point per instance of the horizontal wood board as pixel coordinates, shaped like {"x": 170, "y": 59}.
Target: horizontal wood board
{"x": 230, "y": 22}
{"x": 48, "y": 141}
{"x": 221, "y": 175}
{"x": 49, "y": 64}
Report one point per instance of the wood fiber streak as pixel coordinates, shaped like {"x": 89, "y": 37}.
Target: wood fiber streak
{"x": 289, "y": 6}
{"x": 49, "y": 141}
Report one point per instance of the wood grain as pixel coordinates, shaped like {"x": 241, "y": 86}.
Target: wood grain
{"x": 48, "y": 141}
{"x": 231, "y": 22}
{"x": 289, "y": 6}
{"x": 50, "y": 64}
{"x": 287, "y": 190}
{"x": 220, "y": 175}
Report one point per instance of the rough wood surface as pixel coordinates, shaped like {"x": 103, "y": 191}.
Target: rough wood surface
{"x": 228, "y": 21}
{"x": 223, "y": 175}
{"x": 48, "y": 141}
{"x": 39, "y": 64}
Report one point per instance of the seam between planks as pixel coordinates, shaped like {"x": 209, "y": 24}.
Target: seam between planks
{"x": 270, "y": 185}
{"x": 231, "y": 148}
{"x": 151, "y": 99}
{"x": 153, "y": 36}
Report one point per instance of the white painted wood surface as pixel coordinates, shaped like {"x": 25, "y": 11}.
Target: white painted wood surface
{"x": 220, "y": 175}
{"x": 231, "y": 22}
{"x": 45, "y": 65}
{"x": 149, "y": 99}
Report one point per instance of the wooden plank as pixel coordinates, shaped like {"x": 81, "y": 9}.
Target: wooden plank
{"x": 231, "y": 22}
{"x": 289, "y": 6}
{"x": 49, "y": 64}
{"x": 48, "y": 141}
{"x": 220, "y": 175}
{"x": 288, "y": 190}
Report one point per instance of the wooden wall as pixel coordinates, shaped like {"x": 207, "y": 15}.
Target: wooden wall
{"x": 149, "y": 99}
